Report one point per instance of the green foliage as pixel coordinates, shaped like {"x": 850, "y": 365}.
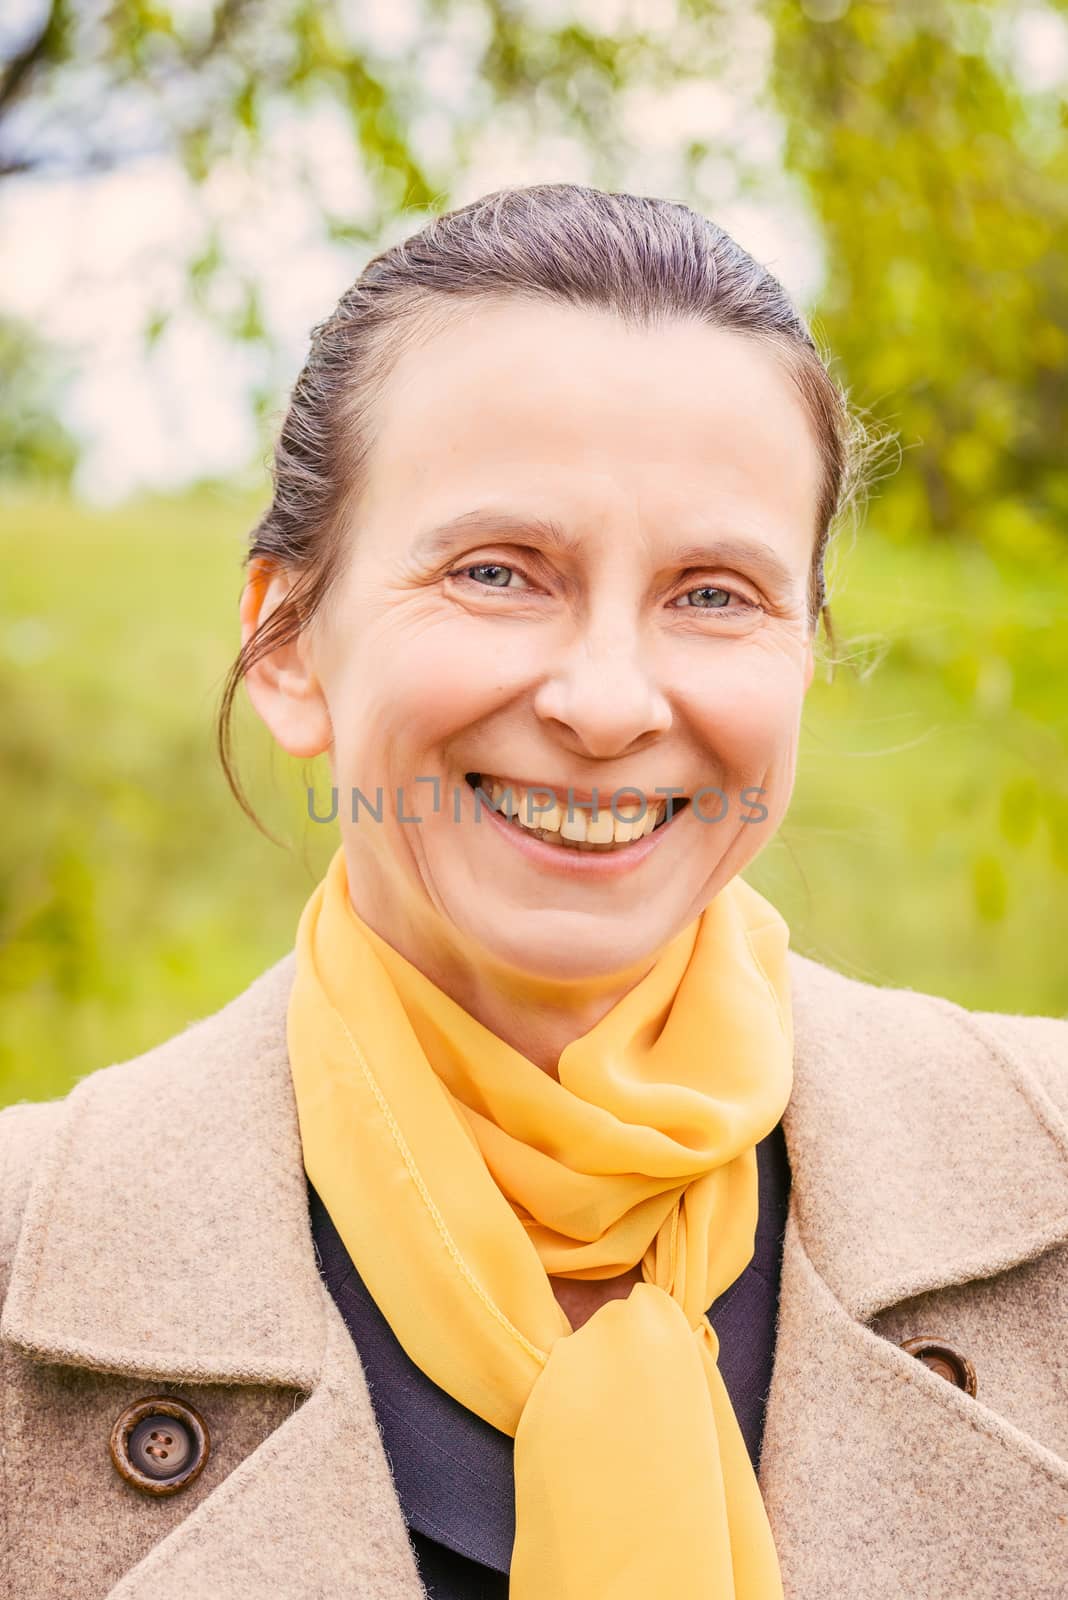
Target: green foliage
{"x": 34, "y": 443}
{"x": 940, "y": 183}
{"x": 208, "y": 83}
{"x": 926, "y": 844}
{"x": 125, "y": 865}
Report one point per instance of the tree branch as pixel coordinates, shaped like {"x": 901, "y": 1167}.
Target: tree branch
{"x": 21, "y": 65}
{"x": 93, "y": 160}
{"x": 224, "y": 24}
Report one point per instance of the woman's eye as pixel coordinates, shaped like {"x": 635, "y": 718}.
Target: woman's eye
{"x": 495, "y": 567}
{"x": 498, "y": 576}
{"x": 720, "y": 602}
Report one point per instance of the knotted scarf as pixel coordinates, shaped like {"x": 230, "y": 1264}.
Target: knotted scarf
{"x": 460, "y": 1176}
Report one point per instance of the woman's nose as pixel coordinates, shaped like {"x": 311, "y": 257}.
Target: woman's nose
{"x": 605, "y": 691}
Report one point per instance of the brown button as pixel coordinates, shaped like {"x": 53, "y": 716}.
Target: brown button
{"x": 159, "y": 1444}
{"x": 943, "y": 1359}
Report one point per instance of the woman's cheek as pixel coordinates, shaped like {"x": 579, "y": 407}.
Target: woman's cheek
{"x": 749, "y": 731}
{"x": 452, "y": 677}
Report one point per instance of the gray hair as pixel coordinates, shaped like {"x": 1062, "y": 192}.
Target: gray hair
{"x": 642, "y": 258}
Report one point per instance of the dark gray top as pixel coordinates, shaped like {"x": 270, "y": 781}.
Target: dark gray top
{"x": 453, "y": 1471}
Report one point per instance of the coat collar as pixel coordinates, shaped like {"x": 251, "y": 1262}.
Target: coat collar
{"x": 180, "y": 1170}
{"x": 909, "y": 1132}
{"x": 924, "y": 1150}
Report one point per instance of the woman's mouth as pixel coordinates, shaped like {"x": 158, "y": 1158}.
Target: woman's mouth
{"x": 538, "y": 813}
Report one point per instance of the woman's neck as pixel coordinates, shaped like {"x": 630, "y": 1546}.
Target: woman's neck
{"x": 537, "y": 1016}
{"x": 539, "y": 1026}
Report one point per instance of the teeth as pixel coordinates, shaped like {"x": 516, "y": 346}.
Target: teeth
{"x": 572, "y": 827}
{"x": 603, "y": 830}
{"x": 499, "y": 792}
{"x": 580, "y": 829}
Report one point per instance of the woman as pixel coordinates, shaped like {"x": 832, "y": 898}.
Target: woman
{"x": 541, "y": 1225}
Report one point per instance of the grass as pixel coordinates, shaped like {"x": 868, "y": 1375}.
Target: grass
{"x": 927, "y": 843}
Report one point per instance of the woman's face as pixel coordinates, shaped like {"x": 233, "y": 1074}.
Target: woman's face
{"x": 660, "y": 643}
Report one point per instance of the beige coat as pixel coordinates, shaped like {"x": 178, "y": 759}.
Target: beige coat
{"x": 155, "y": 1233}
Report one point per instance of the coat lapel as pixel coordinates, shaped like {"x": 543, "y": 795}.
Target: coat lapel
{"x": 923, "y": 1154}
{"x": 183, "y": 1169}
{"x": 311, "y": 1512}
{"x": 176, "y": 1179}
{"x": 909, "y": 1131}
{"x": 923, "y": 1151}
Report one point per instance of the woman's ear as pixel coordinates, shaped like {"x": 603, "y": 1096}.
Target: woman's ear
{"x": 282, "y": 685}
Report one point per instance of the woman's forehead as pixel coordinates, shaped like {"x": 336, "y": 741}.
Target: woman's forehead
{"x": 589, "y": 418}
{"x": 515, "y": 364}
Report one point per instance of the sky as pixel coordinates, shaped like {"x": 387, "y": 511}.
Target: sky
{"x": 87, "y": 261}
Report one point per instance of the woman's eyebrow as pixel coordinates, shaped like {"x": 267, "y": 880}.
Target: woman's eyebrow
{"x": 543, "y": 530}
{"x": 734, "y": 548}
{"x": 737, "y": 551}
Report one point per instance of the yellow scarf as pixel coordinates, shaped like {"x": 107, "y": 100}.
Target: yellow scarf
{"x": 460, "y": 1175}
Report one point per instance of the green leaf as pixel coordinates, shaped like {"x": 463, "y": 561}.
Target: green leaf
{"x": 155, "y": 327}
{"x": 989, "y": 887}
{"x": 1018, "y": 810}
{"x": 1057, "y": 820}
{"x": 248, "y": 324}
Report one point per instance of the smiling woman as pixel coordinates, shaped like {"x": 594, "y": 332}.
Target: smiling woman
{"x": 610, "y": 1242}
{"x": 643, "y": 621}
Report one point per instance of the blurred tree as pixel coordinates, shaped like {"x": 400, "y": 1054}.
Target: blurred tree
{"x": 939, "y": 176}
{"x": 931, "y": 146}
{"x": 34, "y": 443}
{"x": 937, "y": 173}
{"x": 87, "y": 86}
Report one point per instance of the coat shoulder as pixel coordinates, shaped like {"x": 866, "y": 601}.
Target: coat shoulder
{"x": 25, "y": 1130}
{"x": 857, "y": 1006}
{"x": 1043, "y": 1041}
{"x": 249, "y": 1021}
